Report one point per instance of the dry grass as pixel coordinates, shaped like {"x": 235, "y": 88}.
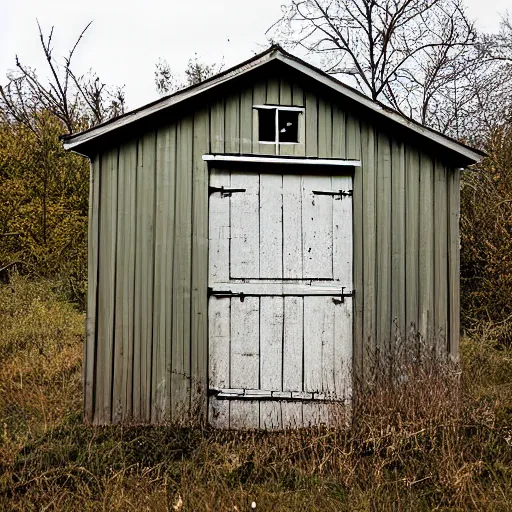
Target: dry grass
{"x": 423, "y": 437}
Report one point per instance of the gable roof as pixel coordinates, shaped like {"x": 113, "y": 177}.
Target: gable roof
{"x": 274, "y": 53}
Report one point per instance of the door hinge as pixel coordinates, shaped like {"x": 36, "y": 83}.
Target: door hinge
{"x": 226, "y": 293}
{"x": 224, "y": 192}
{"x": 341, "y": 298}
{"x": 341, "y": 193}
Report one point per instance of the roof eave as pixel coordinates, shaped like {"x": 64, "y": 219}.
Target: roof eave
{"x": 74, "y": 142}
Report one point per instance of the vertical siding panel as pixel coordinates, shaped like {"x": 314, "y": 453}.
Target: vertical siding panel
{"x": 384, "y": 276}
{"x": 217, "y": 127}
{"x": 147, "y": 187}
{"x": 398, "y": 218}
{"x": 311, "y": 125}
{"x": 454, "y": 260}
{"x": 353, "y": 137}
{"x": 369, "y": 236}
{"x": 232, "y": 124}
{"x": 259, "y": 97}
{"x": 170, "y": 249}
{"x": 199, "y": 310}
{"x": 286, "y": 98}
{"x": 246, "y": 122}
{"x": 324, "y": 129}
{"x": 121, "y": 342}
{"x": 426, "y": 247}
{"x": 285, "y": 93}
{"x": 338, "y": 132}
{"x": 163, "y": 239}
{"x": 359, "y": 198}
{"x": 297, "y": 96}
{"x": 412, "y": 239}
{"x": 106, "y": 284}
{"x": 182, "y": 270}
{"x": 128, "y": 166}
{"x": 92, "y": 278}
{"x": 273, "y": 92}
{"x": 441, "y": 233}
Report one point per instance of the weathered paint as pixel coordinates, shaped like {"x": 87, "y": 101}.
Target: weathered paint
{"x": 147, "y": 335}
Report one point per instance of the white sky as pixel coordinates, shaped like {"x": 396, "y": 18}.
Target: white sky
{"x": 128, "y": 37}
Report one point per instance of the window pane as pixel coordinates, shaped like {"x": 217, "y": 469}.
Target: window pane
{"x": 288, "y": 126}
{"x": 267, "y": 125}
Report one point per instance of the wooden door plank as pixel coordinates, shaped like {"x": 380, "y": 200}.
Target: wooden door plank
{"x": 317, "y": 228}
{"x": 271, "y": 226}
{"x": 244, "y": 414}
{"x": 342, "y": 233}
{"x": 326, "y": 320}
{"x": 271, "y": 343}
{"x": 313, "y": 337}
{"x": 219, "y": 341}
{"x": 218, "y": 413}
{"x": 219, "y": 227}
{"x": 245, "y": 340}
{"x": 292, "y": 226}
{"x": 245, "y": 236}
{"x": 293, "y": 344}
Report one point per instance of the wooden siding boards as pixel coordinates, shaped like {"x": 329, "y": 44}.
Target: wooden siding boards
{"x": 412, "y": 215}
{"x": 182, "y": 271}
{"x": 147, "y": 336}
{"x": 199, "y": 307}
{"x": 90, "y": 348}
{"x": 398, "y": 219}
{"x": 454, "y": 261}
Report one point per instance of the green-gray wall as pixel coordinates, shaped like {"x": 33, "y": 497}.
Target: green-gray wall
{"x": 146, "y": 349}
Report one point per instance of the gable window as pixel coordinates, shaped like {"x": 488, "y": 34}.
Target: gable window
{"x": 279, "y": 125}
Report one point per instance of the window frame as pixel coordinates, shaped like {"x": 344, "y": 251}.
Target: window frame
{"x": 277, "y": 108}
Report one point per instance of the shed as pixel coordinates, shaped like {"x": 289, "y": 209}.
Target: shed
{"x": 253, "y": 237}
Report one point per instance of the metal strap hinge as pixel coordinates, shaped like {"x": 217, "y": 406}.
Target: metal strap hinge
{"x": 341, "y": 193}
{"x": 225, "y": 192}
{"x": 226, "y": 293}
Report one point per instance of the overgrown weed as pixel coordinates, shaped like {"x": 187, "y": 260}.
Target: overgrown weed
{"x": 423, "y": 436}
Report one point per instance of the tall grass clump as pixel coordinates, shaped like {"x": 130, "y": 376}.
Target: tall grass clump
{"x": 40, "y": 362}
{"x": 424, "y": 433}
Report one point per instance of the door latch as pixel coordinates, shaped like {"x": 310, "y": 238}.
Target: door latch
{"x": 225, "y": 192}
{"x": 341, "y": 298}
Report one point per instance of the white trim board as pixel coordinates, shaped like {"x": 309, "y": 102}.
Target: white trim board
{"x": 282, "y": 160}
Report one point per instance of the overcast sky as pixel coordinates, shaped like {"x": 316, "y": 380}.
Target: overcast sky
{"x": 128, "y": 37}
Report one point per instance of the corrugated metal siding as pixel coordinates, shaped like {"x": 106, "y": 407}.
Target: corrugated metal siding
{"x": 147, "y": 346}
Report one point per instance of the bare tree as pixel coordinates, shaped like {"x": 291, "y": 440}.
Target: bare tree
{"x": 167, "y": 81}
{"x": 401, "y": 52}
{"x": 78, "y": 101}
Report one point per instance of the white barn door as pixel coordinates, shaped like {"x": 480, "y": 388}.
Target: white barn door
{"x": 280, "y": 304}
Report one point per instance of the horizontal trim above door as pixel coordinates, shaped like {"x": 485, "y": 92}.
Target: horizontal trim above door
{"x": 281, "y": 160}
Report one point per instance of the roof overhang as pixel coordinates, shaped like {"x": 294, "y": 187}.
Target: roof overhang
{"x": 275, "y": 53}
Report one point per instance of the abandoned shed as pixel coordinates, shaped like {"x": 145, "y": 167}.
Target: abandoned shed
{"x": 252, "y": 237}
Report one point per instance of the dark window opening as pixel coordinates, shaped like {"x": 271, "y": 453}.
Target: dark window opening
{"x": 288, "y": 122}
{"x": 267, "y": 124}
